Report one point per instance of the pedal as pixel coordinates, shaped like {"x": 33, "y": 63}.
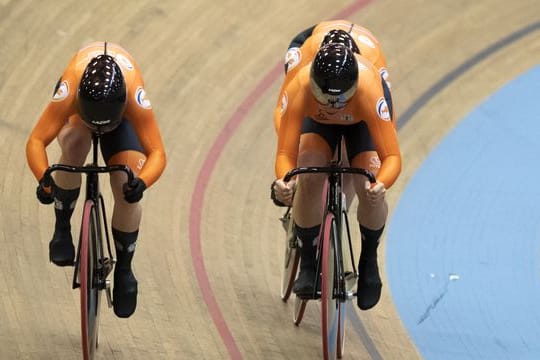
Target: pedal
{"x": 350, "y": 282}
{"x": 292, "y": 239}
{"x": 108, "y": 292}
{"x": 285, "y": 219}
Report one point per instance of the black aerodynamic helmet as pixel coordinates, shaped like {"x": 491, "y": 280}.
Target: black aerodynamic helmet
{"x": 334, "y": 75}
{"x": 102, "y": 94}
{"x": 338, "y": 36}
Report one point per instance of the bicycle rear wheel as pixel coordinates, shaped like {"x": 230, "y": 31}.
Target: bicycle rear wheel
{"x": 329, "y": 303}
{"x": 89, "y": 290}
{"x": 299, "y": 308}
{"x": 291, "y": 258}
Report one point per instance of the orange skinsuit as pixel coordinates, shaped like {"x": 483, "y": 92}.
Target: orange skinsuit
{"x": 63, "y": 107}
{"x": 367, "y": 104}
{"x": 297, "y": 58}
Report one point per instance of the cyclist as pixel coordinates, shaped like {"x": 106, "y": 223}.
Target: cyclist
{"x": 305, "y": 45}
{"x": 101, "y": 91}
{"x": 301, "y": 52}
{"x": 339, "y": 93}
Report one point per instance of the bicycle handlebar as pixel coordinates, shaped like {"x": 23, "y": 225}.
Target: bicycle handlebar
{"x": 330, "y": 170}
{"x": 87, "y": 169}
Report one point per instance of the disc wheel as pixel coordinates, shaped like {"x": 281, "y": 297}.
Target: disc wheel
{"x": 89, "y": 292}
{"x": 329, "y": 304}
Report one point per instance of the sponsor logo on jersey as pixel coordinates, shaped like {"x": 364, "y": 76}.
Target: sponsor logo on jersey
{"x": 140, "y": 98}
{"x": 292, "y": 58}
{"x": 347, "y": 117}
{"x": 382, "y": 110}
{"x": 375, "y": 162}
{"x": 367, "y": 41}
{"x": 61, "y": 92}
{"x": 140, "y": 163}
{"x": 284, "y": 103}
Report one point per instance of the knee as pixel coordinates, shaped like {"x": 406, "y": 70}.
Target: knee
{"x": 75, "y": 143}
{"x": 117, "y": 181}
{"x": 311, "y": 183}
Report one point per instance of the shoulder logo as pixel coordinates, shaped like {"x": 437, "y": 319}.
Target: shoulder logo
{"x": 382, "y": 110}
{"x": 292, "y": 58}
{"x": 284, "y": 103}
{"x": 62, "y": 91}
{"x": 140, "y": 98}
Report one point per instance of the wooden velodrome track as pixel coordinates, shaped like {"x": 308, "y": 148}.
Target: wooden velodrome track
{"x": 209, "y": 256}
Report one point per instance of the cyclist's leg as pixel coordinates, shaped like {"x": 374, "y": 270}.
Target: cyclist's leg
{"x": 371, "y": 218}
{"x": 348, "y": 183}
{"x": 122, "y": 147}
{"x": 315, "y": 149}
{"x": 75, "y": 141}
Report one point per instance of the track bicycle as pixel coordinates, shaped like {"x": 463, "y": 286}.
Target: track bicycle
{"x": 334, "y": 283}
{"x": 92, "y": 264}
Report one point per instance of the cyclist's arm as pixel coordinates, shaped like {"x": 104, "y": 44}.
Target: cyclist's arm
{"x": 296, "y": 59}
{"x": 289, "y": 132}
{"x": 50, "y": 123}
{"x": 139, "y": 112}
{"x": 385, "y": 138}
{"x": 383, "y": 133}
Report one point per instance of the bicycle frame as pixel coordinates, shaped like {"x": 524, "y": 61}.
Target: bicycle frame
{"x": 334, "y": 205}
{"x": 93, "y": 193}
{"x": 330, "y": 272}
{"x": 91, "y": 266}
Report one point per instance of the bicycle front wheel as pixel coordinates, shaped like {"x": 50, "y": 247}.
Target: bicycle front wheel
{"x": 329, "y": 303}
{"x": 290, "y": 260}
{"x": 89, "y": 290}
{"x": 342, "y": 303}
{"x": 342, "y": 310}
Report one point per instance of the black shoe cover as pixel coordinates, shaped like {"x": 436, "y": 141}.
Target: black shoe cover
{"x": 124, "y": 293}
{"x": 304, "y": 284}
{"x": 369, "y": 284}
{"x": 61, "y": 249}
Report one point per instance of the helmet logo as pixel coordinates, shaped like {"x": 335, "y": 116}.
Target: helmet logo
{"x": 101, "y": 122}
{"x": 367, "y": 41}
{"x": 292, "y": 58}
{"x": 62, "y": 92}
{"x": 382, "y": 110}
